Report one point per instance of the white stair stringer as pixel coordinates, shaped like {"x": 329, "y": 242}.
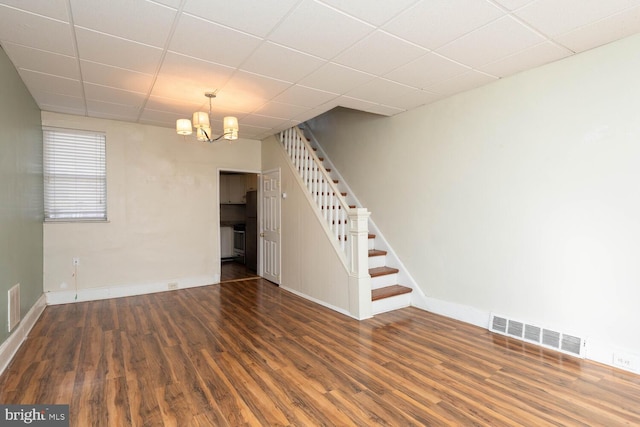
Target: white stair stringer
{"x": 416, "y": 297}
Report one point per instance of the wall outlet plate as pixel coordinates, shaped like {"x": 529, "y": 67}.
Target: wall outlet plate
{"x": 627, "y": 361}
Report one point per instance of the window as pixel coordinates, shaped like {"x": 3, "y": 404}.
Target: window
{"x": 75, "y": 175}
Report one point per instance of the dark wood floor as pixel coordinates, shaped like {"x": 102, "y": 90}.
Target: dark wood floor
{"x": 233, "y": 270}
{"x": 249, "y": 353}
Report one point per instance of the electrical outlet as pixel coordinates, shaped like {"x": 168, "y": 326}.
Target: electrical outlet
{"x": 626, "y": 361}
{"x": 172, "y": 286}
{"x": 75, "y": 261}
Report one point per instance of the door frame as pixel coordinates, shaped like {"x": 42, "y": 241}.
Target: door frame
{"x": 245, "y": 171}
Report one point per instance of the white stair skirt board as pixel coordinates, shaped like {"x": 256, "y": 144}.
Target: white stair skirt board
{"x": 391, "y": 303}
{"x": 9, "y": 348}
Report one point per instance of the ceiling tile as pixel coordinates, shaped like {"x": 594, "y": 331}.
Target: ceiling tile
{"x": 56, "y": 9}
{"x": 116, "y": 96}
{"x": 141, "y": 21}
{"x": 269, "y": 58}
{"x": 434, "y": 23}
{"x": 171, "y": 3}
{"x": 115, "y": 77}
{"x": 379, "y": 53}
{"x": 427, "y": 70}
{"x": 335, "y": 78}
{"x": 117, "y": 52}
{"x": 469, "y": 80}
{"x": 553, "y": 17}
{"x": 514, "y": 4}
{"x": 109, "y": 110}
{"x": 305, "y": 96}
{"x": 38, "y": 82}
{"x": 496, "y": 40}
{"x": 261, "y": 121}
{"x": 35, "y": 31}
{"x": 612, "y": 28}
{"x": 42, "y": 61}
{"x": 159, "y": 118}
{"x": 254, "y": 17}
{"x": 259, "y": 132}
{"x": 247, "y": 92}
{"x": 178, "y": 107}
{"x": 534, "y": 56}
{"x": 183, "y": 77}
{"x": 380, "y": 91}
{"x": 414, "y": 98}
{"x": 60, "y": 103}
{"x": 281, "y": 110}
{"x": 375, "y": 12}
{"x": 369, "y": 107}
{"x": 212, "y": 42}
{"x": 307, "y": 30}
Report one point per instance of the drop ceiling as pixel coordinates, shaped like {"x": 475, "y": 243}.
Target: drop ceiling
{"x": 276, "y": 63}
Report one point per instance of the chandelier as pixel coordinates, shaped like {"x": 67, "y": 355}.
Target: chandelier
{"x": 202, "y": 124}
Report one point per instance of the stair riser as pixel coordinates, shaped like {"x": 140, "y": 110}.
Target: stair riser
{"x": 372, "y": 244}
{"x": 377, "y": 261}
{"x": 382, "y": 281}
{"x": 392, "y": 303}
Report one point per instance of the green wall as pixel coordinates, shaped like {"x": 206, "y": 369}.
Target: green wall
{"x": 21, "y": 192}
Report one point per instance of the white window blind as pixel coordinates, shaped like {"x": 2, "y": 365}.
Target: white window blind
{"x": 75, "y": 175}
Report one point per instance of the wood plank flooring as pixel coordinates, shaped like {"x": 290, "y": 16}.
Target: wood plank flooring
{"x": 233, "y": 270}
{"x": 248, "y": 353}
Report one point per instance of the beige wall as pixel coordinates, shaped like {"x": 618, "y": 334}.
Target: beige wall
{"x": 162, "y": 207}
{"x": 521, "y": 197}
{"x": 310, "y": 265}
{"x": 21, "y": 202}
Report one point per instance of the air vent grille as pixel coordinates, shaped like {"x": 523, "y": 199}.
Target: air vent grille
{"x": 532, "y": 333}
{"x": 14, "y": 307}
{"x": 499, "y": 324}
{"x": 548, "y": 338}
{"x": 551, "y": 338}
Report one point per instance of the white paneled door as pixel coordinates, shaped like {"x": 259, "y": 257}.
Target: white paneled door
{"x": 270, "y": 233}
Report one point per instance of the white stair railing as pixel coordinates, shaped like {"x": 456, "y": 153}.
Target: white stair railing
{"x": 324, "y": 191}
{"x": 348, "y": 226}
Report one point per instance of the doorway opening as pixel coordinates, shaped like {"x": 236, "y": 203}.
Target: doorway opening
{"x": 238, "y": 225}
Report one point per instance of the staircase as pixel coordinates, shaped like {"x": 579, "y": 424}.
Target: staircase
{"x": 386, "y": 293}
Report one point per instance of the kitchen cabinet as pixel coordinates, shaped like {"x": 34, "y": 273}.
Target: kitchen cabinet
{"x": 252, "y": 181}
{"x": 233, "y": 189}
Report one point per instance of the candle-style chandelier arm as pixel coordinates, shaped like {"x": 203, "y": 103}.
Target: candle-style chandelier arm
{"x": 202, "y": 123}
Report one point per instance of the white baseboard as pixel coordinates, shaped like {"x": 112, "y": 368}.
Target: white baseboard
{"x": 94, "y": 294}
{"x": 319, "y": 302}
{"x": 463, "y": 313}
{"x": 10, "y": 347}
{"x": 595, "y": 350}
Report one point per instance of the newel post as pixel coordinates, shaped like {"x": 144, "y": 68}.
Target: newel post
{"x": 359, "y": 279}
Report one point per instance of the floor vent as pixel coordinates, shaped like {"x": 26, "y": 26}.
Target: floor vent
{"x": 547, "y": 338}
{"x": 14, "y": 306}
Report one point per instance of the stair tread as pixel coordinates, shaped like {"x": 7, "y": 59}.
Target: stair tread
{"x": 389, "y": 291}
{"x": 376, "y": 252}
{"x": 372, "y": 236}
{"x": 381, "y": 271}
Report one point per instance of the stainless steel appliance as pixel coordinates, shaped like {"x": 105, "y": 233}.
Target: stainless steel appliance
{"x": 239, "y": 242}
